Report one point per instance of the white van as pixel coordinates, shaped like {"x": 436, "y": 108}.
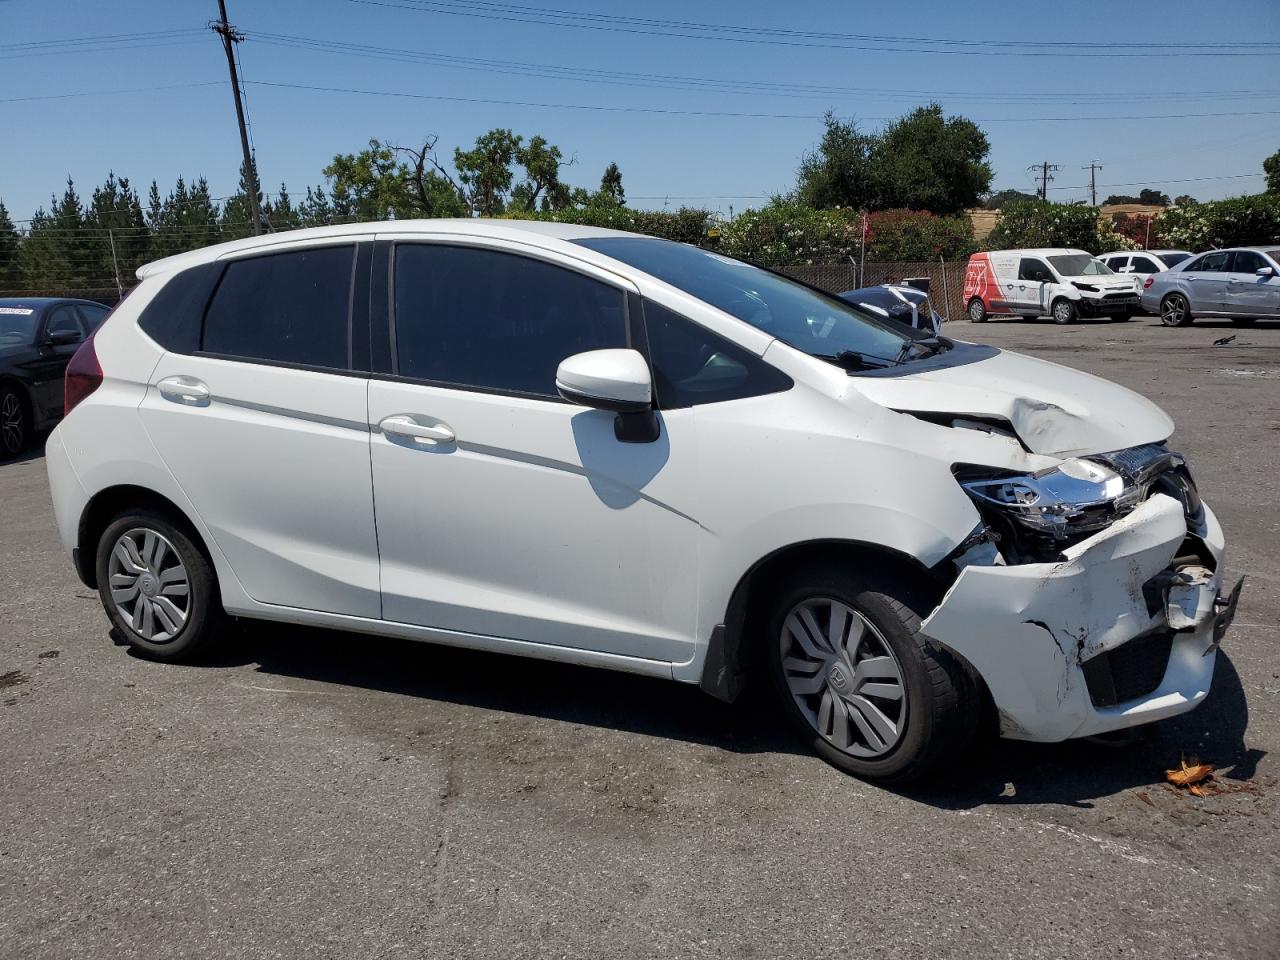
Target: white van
{"x": 1054, "y": 281}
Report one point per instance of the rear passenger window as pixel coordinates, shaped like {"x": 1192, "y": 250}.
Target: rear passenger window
{"x": 1145, "y": 265}
{"x": 497, "y": 321}
{"x": 92, "y": 314}
{"x": 1215, "y": 262}
{"x": 692, "y": 365}
{"x": 291, "y": 308}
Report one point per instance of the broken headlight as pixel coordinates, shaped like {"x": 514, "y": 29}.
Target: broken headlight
{"x": 1042, "y": 512}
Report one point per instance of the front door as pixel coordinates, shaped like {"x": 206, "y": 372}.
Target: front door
{"x": 1030, "y": 294}
{"x": 502, "y": 510}
{"x": 1248, "y": 294}
{"x": 49, "y": 369}
{"x": 265, "y": 430}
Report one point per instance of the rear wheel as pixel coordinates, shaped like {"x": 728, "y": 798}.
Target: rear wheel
{"x": 977, "y": 310}
{"x": 15, "y": 423}
{"x": 1063, "y": 311}
{"x": 158, "y": 587}
{"x": 1175, "y": 311}
{"x": 864, "y": 687}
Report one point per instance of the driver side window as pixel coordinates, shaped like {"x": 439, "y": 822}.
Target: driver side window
{"x": 1033, "y": 270}
{"x": 64, "y": 320}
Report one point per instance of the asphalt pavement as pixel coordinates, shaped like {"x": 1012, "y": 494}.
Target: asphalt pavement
{"x": 317, "y": 795}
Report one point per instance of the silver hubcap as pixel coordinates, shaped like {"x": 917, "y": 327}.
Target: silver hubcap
{"x": 844, "y": 677}
{"x": 1173, "y": 311}
{"x": 149, "y": 585}
{"x": 975, "y": 310}
{"x": 11, "y": 423}
{"x": 1062, "y": 313}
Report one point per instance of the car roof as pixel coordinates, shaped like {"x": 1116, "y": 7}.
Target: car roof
{"x": 38, "y": 303}
{"x": 1042, "y": 251}
{"x": 479, "y": 227}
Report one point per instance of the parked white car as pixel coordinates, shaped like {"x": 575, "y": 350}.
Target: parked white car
{"x": 607, "y": 449}
{"x": 1144, "y": 263}
{"x": 1061, "y": 283}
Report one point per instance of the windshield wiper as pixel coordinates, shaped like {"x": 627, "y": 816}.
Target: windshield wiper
{"x": 852, "y": 361}
{"x": 929, "y": 346}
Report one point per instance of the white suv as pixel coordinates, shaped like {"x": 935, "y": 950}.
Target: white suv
{"x": 607, "y": 449}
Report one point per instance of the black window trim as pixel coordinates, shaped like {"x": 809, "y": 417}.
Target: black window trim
{"x": 353, "y": 283}
{"x": 632, "y": 320}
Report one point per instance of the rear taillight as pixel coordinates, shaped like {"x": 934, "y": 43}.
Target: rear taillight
{"x": 84, "y": 375}
{"x": 1149, "y": 281}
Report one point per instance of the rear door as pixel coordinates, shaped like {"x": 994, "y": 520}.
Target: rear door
{"x": 516, "y": 514}
{"x": 264, "y": 426}
{"x": 1206, "y": 282}
{"x": 1249, "y": 295}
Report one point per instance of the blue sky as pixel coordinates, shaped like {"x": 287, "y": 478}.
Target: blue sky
{"x": 707, "y": 158}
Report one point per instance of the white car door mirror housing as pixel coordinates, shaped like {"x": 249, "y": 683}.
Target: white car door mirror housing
{"x": 617, "y": 380}
{"x": 1265, "y": 271}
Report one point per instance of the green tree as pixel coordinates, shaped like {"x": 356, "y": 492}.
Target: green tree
{"x": 114, "y": 216}
{"x": 1153, "y": 198}
{"x": 1119, "y": 198}
{"x": 485, "y": 170}
{"x": 316, "y": 210}
{"x": 998, "y": 200}
{"x": 611, "y": 191}
{"x": 57, "y": 255}
{"x": 8, "y": 251}
{"x": 925, "y": 161}
{"x": 1271, "y": 167}
{"x": 1183, "y": 199}
{"x": 236, "y": 220}
{"x": 838, "y": 172}
{"x": 369, "y": 185}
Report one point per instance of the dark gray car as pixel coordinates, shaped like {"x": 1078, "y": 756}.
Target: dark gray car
{"x": 1241, "y": 284}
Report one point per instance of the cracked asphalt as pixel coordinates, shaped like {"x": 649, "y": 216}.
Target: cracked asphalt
{"x": 323, "y": 795}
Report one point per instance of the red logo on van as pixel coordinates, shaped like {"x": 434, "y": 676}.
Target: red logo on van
{"x": 978, "y": 281}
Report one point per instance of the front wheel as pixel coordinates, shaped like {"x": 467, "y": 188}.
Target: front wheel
{"x": 1064, "y": 311}
{"x": 1175, "y": 311}
{"x": 158, "y": 587}
{"x": 865, "y": 688}
{"x": 977, "y": 311}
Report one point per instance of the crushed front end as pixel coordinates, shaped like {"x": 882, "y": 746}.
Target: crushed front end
{"x": 1090, "y": 598}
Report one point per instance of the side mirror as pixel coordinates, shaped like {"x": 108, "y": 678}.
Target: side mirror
{"x": 1265, "y": 272}
{"x": 62, "y": 338}
{"x": 616, "y": 380}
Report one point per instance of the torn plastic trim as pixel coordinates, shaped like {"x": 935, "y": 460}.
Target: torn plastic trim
{"x": 1028, "y": 628}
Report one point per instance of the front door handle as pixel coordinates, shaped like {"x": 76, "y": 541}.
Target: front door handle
{"x": 403, "y": 425}
{"x": 186, "y": 390}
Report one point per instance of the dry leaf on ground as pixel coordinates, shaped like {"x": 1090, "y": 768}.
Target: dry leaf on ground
{"x": 1190, "y": 774}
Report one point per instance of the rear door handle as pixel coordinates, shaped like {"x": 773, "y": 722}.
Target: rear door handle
{"x": 403, "y": 425}
{"x": 186, "y": 390}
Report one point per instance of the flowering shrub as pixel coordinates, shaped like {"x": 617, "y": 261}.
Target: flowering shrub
{"x": 686, "y": 225}
{"x": 1240, "y": 221}
{"x": 1039, "y": 223}
{"x": 917, "y": 235}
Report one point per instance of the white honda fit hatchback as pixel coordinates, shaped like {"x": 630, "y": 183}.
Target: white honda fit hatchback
{"x": 608, "y": 449}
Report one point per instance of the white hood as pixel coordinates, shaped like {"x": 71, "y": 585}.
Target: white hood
{"x": 1053, "y": 409}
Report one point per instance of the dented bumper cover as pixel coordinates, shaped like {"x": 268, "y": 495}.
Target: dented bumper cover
{"x": 1030, "y": 629}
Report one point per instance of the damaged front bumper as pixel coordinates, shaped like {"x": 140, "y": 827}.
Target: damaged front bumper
{"x": 1110, "y": 636}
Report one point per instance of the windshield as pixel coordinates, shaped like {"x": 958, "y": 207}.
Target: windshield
{"x": 1172, "y": 259}
{"x": 1079, "y": 265}
{"x": 17, "y": 325}
{"x": 819, "y": 324}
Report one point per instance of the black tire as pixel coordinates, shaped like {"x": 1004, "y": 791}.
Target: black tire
{"x": 1244, "y": 321}
{"x": 1175, "y": 311}
{"x": 15, "y": 422}
{"x": 205, "y": 620}
{"x": 942, "y": 704}
{"x": 977, "y": 310}
{"x": 1063, "y": 311}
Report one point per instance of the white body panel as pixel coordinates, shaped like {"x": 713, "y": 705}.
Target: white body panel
{"x": 524, "y": 524}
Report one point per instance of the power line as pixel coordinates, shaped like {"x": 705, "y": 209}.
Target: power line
{"x": 722, "y": 85}
{"x": 609, "y": 108}
{"x": 110, "y": 93}
{"x": 547, "y": 16}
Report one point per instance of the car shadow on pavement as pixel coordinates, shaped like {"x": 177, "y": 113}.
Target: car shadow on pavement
{"x": 994, "y": 772}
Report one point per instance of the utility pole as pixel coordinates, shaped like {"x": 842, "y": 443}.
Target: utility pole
{"x": 115, "y": 265}
{"x": 1093, "y": 168}
{"x": 230, "y": 36}
{"x": 1044, "y": 169}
